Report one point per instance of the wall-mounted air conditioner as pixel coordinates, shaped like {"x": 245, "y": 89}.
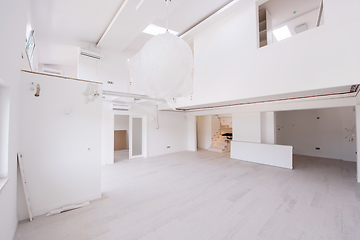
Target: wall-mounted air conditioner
{"x": 121, "y": 107}
{"x": 91, "y": 54}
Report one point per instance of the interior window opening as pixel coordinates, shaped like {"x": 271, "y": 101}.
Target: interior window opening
{"x": 281, "y": 19}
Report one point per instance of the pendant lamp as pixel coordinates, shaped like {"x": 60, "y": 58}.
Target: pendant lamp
{"x": 162, "y": 69}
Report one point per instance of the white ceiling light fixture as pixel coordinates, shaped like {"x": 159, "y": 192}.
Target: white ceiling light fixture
{"x": 162, "y": 69}
{"x": 301, "y": 28}
{"x": 153, "y": 29}
{"x": 282, "y": 33}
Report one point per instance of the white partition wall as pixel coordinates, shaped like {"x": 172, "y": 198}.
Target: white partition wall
{"x": 247, "y": 127}
{"x": 60, "y": 140}
{"x": 269, "y": 154}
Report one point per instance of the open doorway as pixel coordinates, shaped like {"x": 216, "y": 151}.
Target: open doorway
{"x": 129, "y": 137}
{"x": 121, "y": 137}
{"x": 214, "y": 132}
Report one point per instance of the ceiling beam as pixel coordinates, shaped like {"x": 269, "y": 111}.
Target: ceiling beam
{"x": 112, "y": 22}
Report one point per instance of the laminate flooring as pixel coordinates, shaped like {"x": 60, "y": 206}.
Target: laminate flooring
{"x": 207, "y": 195}
{"x": 121, "y": 155}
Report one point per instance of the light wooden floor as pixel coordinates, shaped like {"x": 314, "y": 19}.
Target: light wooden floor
{"x": 121, "y": 155}
{"x": 206, "y": 195}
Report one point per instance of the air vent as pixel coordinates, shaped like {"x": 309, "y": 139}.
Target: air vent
{"x": 91, "y": 54}
{"x": 120, "y": 107}
{"x": 52, "y": 71}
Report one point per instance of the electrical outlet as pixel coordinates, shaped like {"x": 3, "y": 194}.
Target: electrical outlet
{"x": 168, "y": 147}
{"x": 110, "y": 82}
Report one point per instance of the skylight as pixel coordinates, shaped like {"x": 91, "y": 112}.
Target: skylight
{"x": 282, "y": 33}
{"x": 156, "y": 30}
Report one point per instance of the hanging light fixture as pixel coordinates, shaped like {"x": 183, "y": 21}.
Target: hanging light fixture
{"x": 163, "y": 67}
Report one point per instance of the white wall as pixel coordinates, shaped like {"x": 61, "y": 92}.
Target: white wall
{"x": 226, "y": 54}
{"x": 68, "y": 71}
{"x": 61, "y": 152}
{"x": 204, "y": 131}
{"x": 111, "y": 67}
{"x": 121, "y": 122}
{"x": 268, "y": 127}
{"x": 226, "y": 121}
{"x": 268, "y": 154}
{"x": 107, "y": 134}
{"x": 4, "y": 129}
{"x": 11, "y": 47}
{"x": 303, "y": 131}
{"x": 192, "y": 132}
{"x": 247, "y": 127}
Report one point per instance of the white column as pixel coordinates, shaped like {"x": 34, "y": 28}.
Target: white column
{"x": 268, "y": 127}
{"x": 191, "y": 121}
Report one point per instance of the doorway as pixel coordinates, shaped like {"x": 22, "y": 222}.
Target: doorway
{"x": 214, "y": 132}
{"x": 121, "y": 137}
{"x": 129, "y": 137}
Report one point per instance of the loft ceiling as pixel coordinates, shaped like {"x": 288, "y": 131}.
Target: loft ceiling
{"x": 83, "y": 21}
{"x": 283, "y": 10}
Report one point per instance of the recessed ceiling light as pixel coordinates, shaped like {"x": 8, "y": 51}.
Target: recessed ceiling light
{"x": 156, "y": 30}
{"x": 282, "y": 33}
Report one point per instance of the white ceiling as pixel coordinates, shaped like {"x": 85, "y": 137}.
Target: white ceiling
{"x": 81, "y": 22}
{"x": 72, "y": 20}
{"x": 76, "y": 22}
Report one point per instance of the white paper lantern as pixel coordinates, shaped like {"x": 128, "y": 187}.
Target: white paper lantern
{"x": 163, "y": 68}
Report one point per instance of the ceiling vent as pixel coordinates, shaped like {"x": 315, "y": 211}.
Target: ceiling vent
{"x": 52, "y": 71}
{"x": 91, "y": 54}
{"x": 301, "y": 28}
{"x": 121, "y": 107}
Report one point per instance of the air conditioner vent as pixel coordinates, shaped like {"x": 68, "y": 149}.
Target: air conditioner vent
{"x": 52, "y": 71}
{"x": 121, "y": 107}
{"x": 91, "y": 54}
